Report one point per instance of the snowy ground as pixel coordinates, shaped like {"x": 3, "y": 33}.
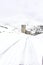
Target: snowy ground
{"x": 18, "y": 48}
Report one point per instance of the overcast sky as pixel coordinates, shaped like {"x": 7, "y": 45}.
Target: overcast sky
{"x": 33, "y": 8}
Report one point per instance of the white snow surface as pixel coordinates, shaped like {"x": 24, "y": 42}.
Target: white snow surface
{"x": 18, "y": 48}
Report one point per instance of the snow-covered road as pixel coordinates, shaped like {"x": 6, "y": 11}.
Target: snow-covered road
{"x": 18, "y": 48}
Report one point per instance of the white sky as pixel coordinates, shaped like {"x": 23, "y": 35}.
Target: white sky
{"x": 33, "y": 8}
